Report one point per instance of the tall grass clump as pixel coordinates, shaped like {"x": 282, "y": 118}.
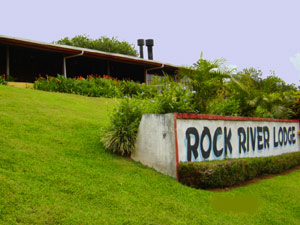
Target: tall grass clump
{"x": 120, "y": 135}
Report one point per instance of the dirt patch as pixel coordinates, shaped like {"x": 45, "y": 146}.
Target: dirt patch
{"x": 21, "y": 84}
{"x": 255, "y": 180}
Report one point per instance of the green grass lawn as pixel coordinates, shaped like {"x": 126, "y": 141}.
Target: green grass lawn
{"x": 53, "y": 170}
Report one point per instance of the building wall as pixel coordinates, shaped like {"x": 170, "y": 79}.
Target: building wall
{"x": 26, "y": 64}
{"x": 128, "y": 71}
{"x": 82, "y": 66}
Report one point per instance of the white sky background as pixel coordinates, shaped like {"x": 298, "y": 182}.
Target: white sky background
{"x": 263, "y": 34}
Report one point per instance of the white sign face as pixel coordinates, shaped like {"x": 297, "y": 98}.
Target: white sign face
{"x": 202, "y": 139}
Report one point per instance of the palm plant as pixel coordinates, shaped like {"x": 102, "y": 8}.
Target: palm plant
{"x": 206, "y": 79}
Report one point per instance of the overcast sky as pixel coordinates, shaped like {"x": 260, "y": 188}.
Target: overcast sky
{"x": 263, "y": 34}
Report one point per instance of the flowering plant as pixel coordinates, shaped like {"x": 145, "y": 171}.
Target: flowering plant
{"x": 95, "y": 86}
{"x": 3, "y": 80}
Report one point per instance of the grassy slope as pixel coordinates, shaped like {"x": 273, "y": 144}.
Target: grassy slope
{"x": 53, "y": 170}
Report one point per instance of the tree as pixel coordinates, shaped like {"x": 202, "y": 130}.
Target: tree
{"x": 102, "y": 44}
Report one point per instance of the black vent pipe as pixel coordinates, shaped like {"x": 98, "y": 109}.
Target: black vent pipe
{"x": 150, "y": 43}
{"x": 141, "y": 43}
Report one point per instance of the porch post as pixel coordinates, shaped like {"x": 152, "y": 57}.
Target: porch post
{"x": 7, "y": 61}
{"x": 65, "y": 67}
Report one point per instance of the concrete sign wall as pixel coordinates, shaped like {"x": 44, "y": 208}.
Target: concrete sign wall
{"x": 166, "y": 140}
{"x": 155, "y": 144}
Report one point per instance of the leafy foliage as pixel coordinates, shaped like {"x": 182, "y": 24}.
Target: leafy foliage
{"x": 248, "y": 94}
{"x": 120, "y": 136}
{"x": 174, "y": 96}
{"x": 217, "y": 90}
{"x": 95, "y": 86}
{"x": 226, "y": 173}
{"x": 208, "y": 87}
{"x": 206, "y": 79}
{"x": 2, "y": 80}
{"x": 296, "y": 106}
{"x": 103, "y": 43}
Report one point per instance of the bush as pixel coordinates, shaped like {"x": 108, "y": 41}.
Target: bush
{"x": 206, "y": 79}
{"x": 174, "y": 97}
{"x": 226, "y": 173}
{"x": 96, "y": 86}
{"x": 2, "y": 80}
{"x": 120, "y": 136}
{"x": 224, "y": 107}
{"x": 135, "y": 89}
{"x": 92, "y": 86}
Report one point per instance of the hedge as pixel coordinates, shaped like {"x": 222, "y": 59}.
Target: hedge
{"x": 229, "y": 172}
{"x": 96, "y": 86}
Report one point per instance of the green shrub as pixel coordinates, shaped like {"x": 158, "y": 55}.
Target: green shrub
{"x": 120, "y": 135}
{"x": 226, "y": 173}
{"x": 206, "y": 79}
{"x": 222, "y": 107}
{"x": 174, "y": 97}
{"x": 135, "y": 89}
{"x": 94, "y": 86}
{"x": 2, "y": 80}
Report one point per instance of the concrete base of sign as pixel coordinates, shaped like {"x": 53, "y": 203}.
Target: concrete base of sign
{"x": 155, "y": 145}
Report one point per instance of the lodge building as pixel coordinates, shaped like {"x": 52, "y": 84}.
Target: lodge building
{"x": 24, "y": 60}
